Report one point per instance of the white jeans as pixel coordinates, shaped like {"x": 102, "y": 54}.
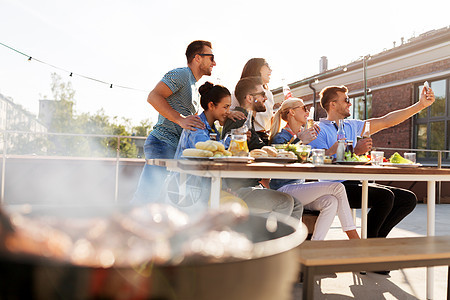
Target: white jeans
{"x": 327, "y": 197}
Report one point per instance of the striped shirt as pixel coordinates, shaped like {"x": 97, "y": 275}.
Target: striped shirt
{"x": 185, "y": 99}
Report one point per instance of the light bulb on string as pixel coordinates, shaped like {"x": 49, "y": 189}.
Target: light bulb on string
{"x": 29, "y": 58}
{"x": 110, "y": 86}
{"x": 71, "y": 74}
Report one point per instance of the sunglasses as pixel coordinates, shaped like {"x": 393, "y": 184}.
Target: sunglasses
{"x": 211, "y": 56}
{"x": 346, "y": 100}
{"x": 262, "y": 94}
{"x": 302, "y": 107}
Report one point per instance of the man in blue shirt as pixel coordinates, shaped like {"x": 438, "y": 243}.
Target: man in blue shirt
{"x": 177, "y": 100}
{"x": 388, "y": 205}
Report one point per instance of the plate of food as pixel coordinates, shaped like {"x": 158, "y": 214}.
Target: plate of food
{"x": 400, "y": 165}
{"x": 271, "y": 154}
{"x": 355, "y": 163}
{"x": 195, "y": 157}
{"x": 281, "y": 160}
{"x": 235, "y": 159}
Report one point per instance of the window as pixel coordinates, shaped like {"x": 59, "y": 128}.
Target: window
{"x": 357, "y": 108}
{"x": 432, "y": 125}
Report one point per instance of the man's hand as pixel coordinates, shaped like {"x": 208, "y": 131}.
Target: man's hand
{"x": 236, "y": 115}
{"x": 191, "y": 122}
{"x": 363, "y": 146}
{"x": 426, "y": 97}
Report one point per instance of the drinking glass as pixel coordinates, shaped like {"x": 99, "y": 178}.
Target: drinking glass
{"x": 411, "y": 156}
{"x": 318, "y": 156}
{"x": 377, "y": 157}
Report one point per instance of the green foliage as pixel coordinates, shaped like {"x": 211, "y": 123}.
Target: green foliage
{"x": 144, "y": 128}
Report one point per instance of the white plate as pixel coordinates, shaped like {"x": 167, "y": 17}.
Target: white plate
{"x": 238, "y": 159}
{"x": 401, "y": 165}
{"x": 196, "y": 157}
{"x": 353, "y": 163}
{"x": 281, "y": 160}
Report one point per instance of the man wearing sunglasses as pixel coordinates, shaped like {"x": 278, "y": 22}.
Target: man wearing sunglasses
{"x": 177, "y": 100}
{"x": 389, "y": 205}
{"x": 251, "y": 97}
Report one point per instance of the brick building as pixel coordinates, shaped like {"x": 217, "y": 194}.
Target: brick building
{"x": 394, "y": 78}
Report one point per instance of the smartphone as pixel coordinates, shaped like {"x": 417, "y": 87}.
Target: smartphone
{"x": 426, "y": 85}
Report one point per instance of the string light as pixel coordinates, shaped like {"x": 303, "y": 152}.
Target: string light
{"x": 72, "y": 73}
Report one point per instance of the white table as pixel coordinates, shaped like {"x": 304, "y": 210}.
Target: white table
{"x": 217, "y": 171}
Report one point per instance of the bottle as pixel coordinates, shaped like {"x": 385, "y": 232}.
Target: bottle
{"x": 366, "y": 133}
{"x": 341, "y": 132}
{"x": 213, "y": 136}
{"x": 286, "y": 91}
{"x": 340, "y": 152}
{"x": 349, "y": 147}
{"x": 248, "y": 122}
{"x": 310, "y": 119}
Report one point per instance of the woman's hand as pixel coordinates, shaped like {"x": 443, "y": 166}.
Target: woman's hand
{"x": 308, "y": 135}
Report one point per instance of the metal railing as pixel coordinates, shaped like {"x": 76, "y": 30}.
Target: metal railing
{"x": 439, "y": 162}
{"x": 6, "y": 133}
{"x": 439, "y": 153}
{"x": 118, "y": 158}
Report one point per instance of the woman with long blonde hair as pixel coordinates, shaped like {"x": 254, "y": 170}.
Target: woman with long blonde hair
{"x": 329, "y": 198}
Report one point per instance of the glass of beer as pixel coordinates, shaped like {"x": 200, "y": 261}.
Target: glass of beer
{"x": 238, "y": 145}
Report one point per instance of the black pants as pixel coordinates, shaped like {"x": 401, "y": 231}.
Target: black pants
{"x": 388, "y": 205}
{"x": 264, "y": 136}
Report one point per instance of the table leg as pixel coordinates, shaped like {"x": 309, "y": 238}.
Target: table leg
{"x": 364, "y": 208}
{"x": 308, "y": 282}
{"x": 431, "y": 200}
{"x": 182, "y": 188}
{"x": 215, "y": 192}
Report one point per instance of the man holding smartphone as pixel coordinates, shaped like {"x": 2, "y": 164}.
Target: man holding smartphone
{"x": 389, "y": 205}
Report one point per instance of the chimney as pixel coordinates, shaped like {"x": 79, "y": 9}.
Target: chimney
{"x": 323, "y": 66}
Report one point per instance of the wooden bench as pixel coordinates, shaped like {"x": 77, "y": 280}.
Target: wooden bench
{"x": 325, "y": 257}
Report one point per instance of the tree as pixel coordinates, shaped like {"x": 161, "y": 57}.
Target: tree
{"x": 64, "y": 121}
{"x": 143, "y": 129}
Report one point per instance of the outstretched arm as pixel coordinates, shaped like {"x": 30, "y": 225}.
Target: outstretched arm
{"x": 398, "y": 116}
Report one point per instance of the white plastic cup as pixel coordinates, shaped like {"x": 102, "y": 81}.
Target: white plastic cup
{"x": 377, "y": 157}
{"x": 411, "y": 156}
{"x": 318, "y": 156}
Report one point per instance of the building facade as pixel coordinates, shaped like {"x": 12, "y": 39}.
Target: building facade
{"x": 393, "y": 80}
{"x": 14, "y": 118}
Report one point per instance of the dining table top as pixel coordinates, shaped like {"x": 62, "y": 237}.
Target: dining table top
{"x": 284, "y": 170}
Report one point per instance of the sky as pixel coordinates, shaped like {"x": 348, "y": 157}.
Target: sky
{"x": 134, "y": 43}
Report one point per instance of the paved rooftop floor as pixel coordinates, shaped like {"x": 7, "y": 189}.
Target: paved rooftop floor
{"x": 400, "y": 284}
